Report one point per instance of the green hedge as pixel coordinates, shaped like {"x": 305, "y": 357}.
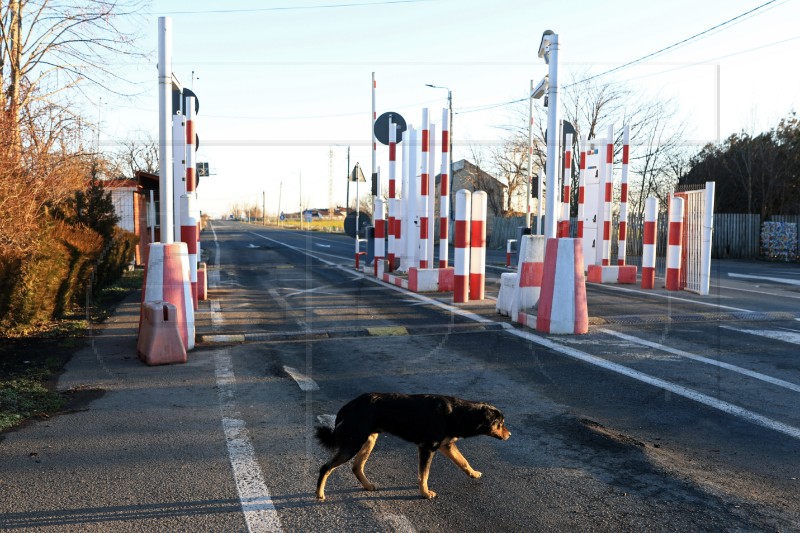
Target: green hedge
{"x": 54, "y": 279}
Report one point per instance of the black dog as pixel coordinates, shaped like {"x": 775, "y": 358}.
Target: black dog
{"x": 431, "y": 422}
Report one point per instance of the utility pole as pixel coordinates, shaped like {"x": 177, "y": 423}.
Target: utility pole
{"x": 263, "y": 208}
{"x": 347, "y": 199}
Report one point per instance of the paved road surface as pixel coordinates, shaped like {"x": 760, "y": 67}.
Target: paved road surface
{"x": 676, "y": 413}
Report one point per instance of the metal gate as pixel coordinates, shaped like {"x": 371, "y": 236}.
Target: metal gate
{"x": 697, "y": 228}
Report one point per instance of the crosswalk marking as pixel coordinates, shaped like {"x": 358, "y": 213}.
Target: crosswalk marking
{"x": 787, "y": 335}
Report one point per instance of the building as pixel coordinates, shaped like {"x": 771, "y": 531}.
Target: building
{"x": 131, "y": 199}
{"x": 467, "y": 175}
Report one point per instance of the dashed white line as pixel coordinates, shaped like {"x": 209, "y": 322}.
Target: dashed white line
{"x": 304, "y": 382}
{"x": 259, "y": 511}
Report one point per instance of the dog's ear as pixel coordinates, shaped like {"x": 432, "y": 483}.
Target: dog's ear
{"x": 492, "y": 413}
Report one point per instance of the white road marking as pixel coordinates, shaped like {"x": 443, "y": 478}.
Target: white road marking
{"x": 398, "y": 523}
{"x": 254, "y": 496}
{"x": 327, "y": 420}
{"x": 789, "y": 336}
{"x": 304, "y": 382}
{"x": 706, "y": 360}
{"x": 685, "y": 392}
{"x": 787, "y": 281}
{"x": 675, "y": 298}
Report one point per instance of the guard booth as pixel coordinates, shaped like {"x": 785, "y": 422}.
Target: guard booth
{"x": 593, "y": 206}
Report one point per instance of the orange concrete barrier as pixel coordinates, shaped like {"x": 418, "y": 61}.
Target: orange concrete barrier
{"x": 159, "y": 336}
{"x": 202, "y": 282}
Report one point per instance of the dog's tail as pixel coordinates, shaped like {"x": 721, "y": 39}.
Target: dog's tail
{"x": 326, "y": 437}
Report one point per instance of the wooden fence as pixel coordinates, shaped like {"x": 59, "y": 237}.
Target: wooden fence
{"x": 736, "y": 236}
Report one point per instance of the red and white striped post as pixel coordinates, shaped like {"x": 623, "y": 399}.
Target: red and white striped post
{"x": 430, "y": 207}
{"x": 581, "y": 186}
{"x": 649, "y": 243}
{"x": 674, "y": 240}
{"x": 444, "y": 194}
{"x": 608, "y": 182}
{"x": 380, "y": 232}
{"x": 190, "y": 222}
{"x": 623, "y": 199}
{"x": 563, "y": 225}
{"x": 392, "y": 193}
{"x": 423, "y": 194}
{"x": 461, "y": 252}
{"x": 477, "y": 260}
{"x": 191, "y": 166}
{"x": 189, "y": 235}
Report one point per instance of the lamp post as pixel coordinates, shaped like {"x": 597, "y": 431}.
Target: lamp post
{"x": 548, "y": 50}
{"x": 450, "y": 129}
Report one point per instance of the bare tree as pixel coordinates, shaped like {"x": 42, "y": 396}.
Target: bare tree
{"x": 590, "y": 106}
{"x": 139, "y": 152}
{"x": 48, "y": 47}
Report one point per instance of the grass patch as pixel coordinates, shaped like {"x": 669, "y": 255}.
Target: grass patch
{"x": 29, "y": 363}
{"x": 23, "y": 398}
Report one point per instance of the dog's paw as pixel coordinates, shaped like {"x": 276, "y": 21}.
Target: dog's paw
{"x": 429, "y": 495}
{"x": 320, "y": 497}
{"x": 475, "y": 474}
{"x": 370, "y": 486}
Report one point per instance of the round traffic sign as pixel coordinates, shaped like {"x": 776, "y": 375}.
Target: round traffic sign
{"x": 381, "y": 128}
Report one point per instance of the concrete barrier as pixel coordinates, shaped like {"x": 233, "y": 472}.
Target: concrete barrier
{"x": 529, "y": 274}
{"x": 624, "y": 274}
{"x": 562, "y": 305}
{"x": 167, "y": 280}
{"x": 508, "y": 286}
{"x": 159, "y": 340}
{"x": 430, "y": 279}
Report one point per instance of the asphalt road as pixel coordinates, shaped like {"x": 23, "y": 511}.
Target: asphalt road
{"x": 675, "y": 413}
{"x": 671, "y": 415}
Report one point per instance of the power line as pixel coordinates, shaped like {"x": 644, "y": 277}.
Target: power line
{"x": 292, "y": 8}
{"x": 674, "y": 45}
{"x": 719, "y": 26}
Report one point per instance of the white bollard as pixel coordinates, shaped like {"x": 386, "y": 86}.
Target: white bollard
{"x": 674, "y": 240}
{"x": 649, "y": 243}
{"x": 477, "y": 261}
{"x": 461, "y": 253}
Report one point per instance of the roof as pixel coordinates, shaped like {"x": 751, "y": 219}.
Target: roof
{"x": 462, "y": 165}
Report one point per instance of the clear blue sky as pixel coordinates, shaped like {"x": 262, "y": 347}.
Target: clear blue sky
{"x": 281, "y": 83}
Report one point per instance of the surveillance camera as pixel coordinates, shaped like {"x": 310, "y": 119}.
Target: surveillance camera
{"x": 540, "y": 88}
{"x": 544, "y": 44}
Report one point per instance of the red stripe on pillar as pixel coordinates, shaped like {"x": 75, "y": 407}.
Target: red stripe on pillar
{"x": 461, "y": 233}
{"x": 649, "y": 233}
{"x": 675, "y": 233}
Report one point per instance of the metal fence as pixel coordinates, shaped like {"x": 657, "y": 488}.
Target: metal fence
{"x": 736, "y": 236}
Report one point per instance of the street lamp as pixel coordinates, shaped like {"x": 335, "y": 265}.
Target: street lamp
{"x": 548, "y": 50}
{"x": 450, "y": 131}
